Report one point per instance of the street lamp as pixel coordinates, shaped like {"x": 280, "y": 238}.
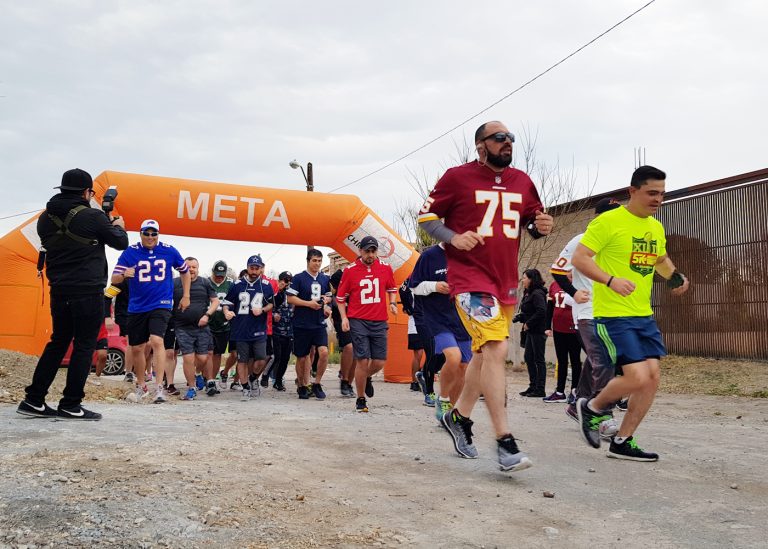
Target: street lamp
{"x": 307, "y": 175}
{"x": 307, "y": 178}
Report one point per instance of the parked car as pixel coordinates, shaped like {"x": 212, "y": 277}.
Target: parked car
{"x": 116, "y": 349}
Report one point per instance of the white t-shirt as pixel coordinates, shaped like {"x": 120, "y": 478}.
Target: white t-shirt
{"x": 563, "y": 265}
{"x": 411, "y": 326}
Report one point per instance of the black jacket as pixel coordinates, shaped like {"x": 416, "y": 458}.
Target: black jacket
{"x": 74, "y": 268}
{"x": 533, "y": 310}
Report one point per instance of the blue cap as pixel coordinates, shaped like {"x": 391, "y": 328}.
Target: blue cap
{"x": 255, "y": 260}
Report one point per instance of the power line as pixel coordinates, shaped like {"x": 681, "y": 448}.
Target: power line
{"x": 18, "y": 214}
{"x": 489, "y": 107}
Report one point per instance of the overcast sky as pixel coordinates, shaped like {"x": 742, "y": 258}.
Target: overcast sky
{"x": 233, "y": 91}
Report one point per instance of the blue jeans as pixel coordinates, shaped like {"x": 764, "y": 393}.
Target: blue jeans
{"x": 79, "y": 318}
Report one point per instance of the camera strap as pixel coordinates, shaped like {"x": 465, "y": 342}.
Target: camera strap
{"x": 64, "y": 226}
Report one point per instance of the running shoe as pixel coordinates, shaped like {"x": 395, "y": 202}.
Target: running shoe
{"x": 421, "y": 381}
{"x": 510, "y": 456}
{"x": 525, "y": 393}
{"x": 199, "y": 382}
{"x": 570, "y": 411}
{"x": 278, "y": 386}
{"x": 361, "y": 405}
{"x": 368, "y": 388}
{"x": 129, "y": 377}
{"x": 94, "y": 381}
{"x": 622, "y": 405}
{"x": 460, "y": 429}
{"x": 630, "y": 450}
{"x": 141, "y": 392}
{"x": 303, "y": 392}
{"x": 429, "y": 400}
{"x": 264, "y": 380}
{"x": 590, "y": 423}
{"x": 235, "y": 386}
{"x": 415, "y": 386}
{"x": 160, "y": 396}
{"x": 190, "y": 394}
{"x": 255, "y": 390}
{"x": 211, "y": 389}
{"x": 442, "y": 407}
{"x": 536, "y": 394}
{"x": 246, "y": 396}
{"x": 317, "y": 390}
{"x": 555, "y": 398}
{"x": 571, "y": 397}
{"x": 609, "y": 428}
{"x": 223, "y": 376}
{"x": 79, "y": 413}
{"x": 27, "y": 409}
{"x": 173, "y": 391}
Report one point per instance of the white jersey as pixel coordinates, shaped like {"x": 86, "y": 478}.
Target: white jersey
{"x": 563, "y": 265}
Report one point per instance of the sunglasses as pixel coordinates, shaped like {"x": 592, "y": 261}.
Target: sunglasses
{"x": 500, "y": 137}
{"x": 149, "y": 233}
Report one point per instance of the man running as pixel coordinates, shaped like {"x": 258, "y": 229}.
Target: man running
{"x": 310, "y": 294}
{"x": 367, "y": 286}
{"x": 147, "y": 266}
{"x": 219, "y": 325}
{"x": 621, "y": 250}
{"x": 483, "y": 206}
{"x": 282, "y": 330}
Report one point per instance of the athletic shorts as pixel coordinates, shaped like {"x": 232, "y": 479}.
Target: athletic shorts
{"x": 304, "y": 340}
{"x": 251, "y": 350}
{"x": 484, "y": 318}
{"x": 102, "y": 344}
{"x": 122, "y": 323}
{"x": 220, "y": 342}
{"x": 194, "y": 340}
{"x": 369, "y": 338}
{"x": 142, "y": 325}
{"x": 446, "y": 340}
{"x": 414, "y": 342}
{"x": 344, "y": 338}
{"x": 630, "y": 339}
{"x": 169, "y": 339}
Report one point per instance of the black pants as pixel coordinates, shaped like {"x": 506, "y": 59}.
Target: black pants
{"x": 432, "y": 363}
{"x": 534, "y": 359}
{"x": 282, "y": 346}
{"x": 567, "y": 346}
{"x": 77, "y": 317}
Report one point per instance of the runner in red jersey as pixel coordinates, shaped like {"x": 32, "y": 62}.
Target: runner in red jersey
{"x": 366, "y": 291}
{"x": 483, "y": 206}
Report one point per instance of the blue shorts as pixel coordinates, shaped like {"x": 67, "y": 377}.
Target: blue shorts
{"x": 630, "y": 339}
{"x": 304, "y": 340}
{"x": 446, "y": 340}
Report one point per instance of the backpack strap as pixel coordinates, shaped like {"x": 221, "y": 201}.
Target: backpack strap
{"x": 64, "y": 226}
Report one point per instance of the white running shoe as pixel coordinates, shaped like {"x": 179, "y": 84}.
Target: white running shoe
{"x": 160, "y": 396}
{"x": 608, "y": 429}
{"x": 246, "y": 395}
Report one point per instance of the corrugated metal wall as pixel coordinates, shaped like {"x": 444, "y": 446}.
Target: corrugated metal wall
{"x": 720, "y": 241}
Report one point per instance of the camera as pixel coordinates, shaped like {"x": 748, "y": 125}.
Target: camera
{"x": 108, "y": 202}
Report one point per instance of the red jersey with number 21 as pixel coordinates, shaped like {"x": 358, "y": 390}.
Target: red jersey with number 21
{"x": 472, "y": 197}
{"x": 365, "y": 290}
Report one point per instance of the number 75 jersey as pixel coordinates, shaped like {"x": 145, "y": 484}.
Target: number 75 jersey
{"x": 151, "y": 286}
{"x": 497, "y": 206}
{"x": 365, "y": 290}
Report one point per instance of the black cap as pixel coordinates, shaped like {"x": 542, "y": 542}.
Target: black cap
{"x": 606, "y": 204}
{"x": 368, "y": 242}
{"x": 285, "y": 276}
{"x": 75, "y": 180}
{"x": 220, "y": 268}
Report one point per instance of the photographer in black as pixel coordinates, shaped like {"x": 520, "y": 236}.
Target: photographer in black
{"x": 73, "y": 237}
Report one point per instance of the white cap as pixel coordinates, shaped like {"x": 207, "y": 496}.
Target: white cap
{"x": 150, "y": 224}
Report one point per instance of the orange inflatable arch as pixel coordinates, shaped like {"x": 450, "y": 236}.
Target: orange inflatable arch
{"x": 206, "y": 210}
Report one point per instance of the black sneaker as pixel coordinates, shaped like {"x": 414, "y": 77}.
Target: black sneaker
{"x": 622, "y": 405}
{"x": 590, "y": 423}
{"x": 278, "y": 386}
{"x": 79, "y": 413}
{"x": 27, "y": 409}
{"x": 361, "y": 405}
{"x": 303, "y": 392}
{"x": 210, "y": 388}
{"x": 368, "y": 388}
{"x": 172, "y": 390}
{"x": 630, "y": 450}
{"x": 525, "y": 393}
{"x": 571, "y": 412}
{"x": 264, "y": 380}
{"x": 415, "y": 386}
{"x": 510, "y": 456}
{"x": 317, "y": 391}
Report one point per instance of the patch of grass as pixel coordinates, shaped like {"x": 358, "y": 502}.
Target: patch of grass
{"x": 709, "y": 376}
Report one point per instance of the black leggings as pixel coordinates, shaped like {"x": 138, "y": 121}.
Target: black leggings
{"x": 282, "y": 348}
{"x": 432, "y": 362}
{"x": 567, "y": 346}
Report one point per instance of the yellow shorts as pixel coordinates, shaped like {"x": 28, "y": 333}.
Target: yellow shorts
{"x": 484, "y": 317}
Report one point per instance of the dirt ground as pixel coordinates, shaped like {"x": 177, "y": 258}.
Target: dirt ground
{"x": 279, "y": 472}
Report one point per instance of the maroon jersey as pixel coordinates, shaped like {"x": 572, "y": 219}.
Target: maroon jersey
{"x": 562, "y": 314}
{"x": 472, "y": 197}
{"x": 365, "y": 290}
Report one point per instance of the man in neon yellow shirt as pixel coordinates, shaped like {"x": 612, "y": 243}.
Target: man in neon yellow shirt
{"x": 620, "y": 251}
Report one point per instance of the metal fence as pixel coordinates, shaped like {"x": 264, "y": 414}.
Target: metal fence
{"x": 719, "y": 239}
